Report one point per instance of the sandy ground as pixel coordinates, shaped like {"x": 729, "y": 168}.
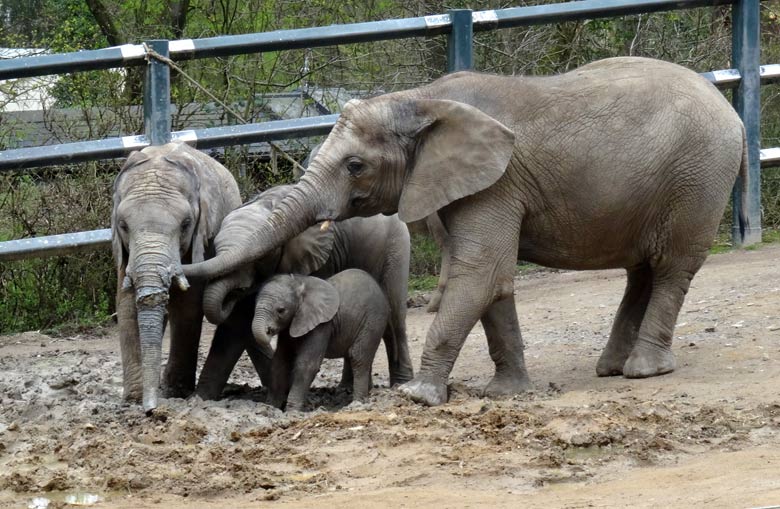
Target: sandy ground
{"x": 707, "y": 435}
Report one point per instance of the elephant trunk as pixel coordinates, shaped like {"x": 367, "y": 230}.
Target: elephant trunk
{"x": 150, "y": 331}
{"x": 306, "y": 204}
{"x": 260, "y": 332}
{"x": 221, "y": 296}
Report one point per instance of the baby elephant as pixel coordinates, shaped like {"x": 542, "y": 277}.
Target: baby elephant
{"x": 343, "y": 316}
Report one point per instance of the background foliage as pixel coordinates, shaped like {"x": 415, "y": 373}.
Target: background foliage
{"x": 42, "y": 293}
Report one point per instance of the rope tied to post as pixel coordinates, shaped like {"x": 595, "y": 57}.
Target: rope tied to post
{"x": 151, "y": 53}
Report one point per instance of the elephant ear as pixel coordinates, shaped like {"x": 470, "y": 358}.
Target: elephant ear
{"x": 200, "y": 238}
{"x": 319, "y": 302}
{"x": 307, "y": 252}
{"x": 460, "y": 151}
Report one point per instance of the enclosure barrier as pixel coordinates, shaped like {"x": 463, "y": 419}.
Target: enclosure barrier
{"x": 459, "y": 25}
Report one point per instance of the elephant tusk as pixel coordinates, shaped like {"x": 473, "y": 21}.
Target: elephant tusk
{"x": 181, "y": 282}
{"x": 325, "y": 225}
{"x": 127, "y": 284}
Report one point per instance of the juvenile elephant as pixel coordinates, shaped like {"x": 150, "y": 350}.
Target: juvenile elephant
{"x": 625, "y": 162}
{"x": 343, "y": 317}
{"x": 378, "y": 245}
{"x": 169, "y": 202}
{"x": 430, "y": 226}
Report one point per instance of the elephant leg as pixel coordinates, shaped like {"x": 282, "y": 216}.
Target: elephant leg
{"x": 505, "y": 343}
{"x": 395, "y": 282}
{"x": 308, "y": 359}
{"x": 652, "y": 354}
{"x": 347, "y": 376}
{"x": 481, "y": 273}
{"x": 186, "y": 318}
{"x": 440, "y": 237}
{"x": 223, "y": 355}
{"x": 129, "y": 342}
{"x": 281, "y": 373}
{"x": 361, "y": 358}
{"x": 261, "y": 360}
{"x": 628, "y": 321}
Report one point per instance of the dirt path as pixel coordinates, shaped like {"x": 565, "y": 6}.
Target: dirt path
{"x": 705, "y": 435}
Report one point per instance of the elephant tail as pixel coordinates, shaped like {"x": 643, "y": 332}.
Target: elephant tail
{"x": 744, "y": 175}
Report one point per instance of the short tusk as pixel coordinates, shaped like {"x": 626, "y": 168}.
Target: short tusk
{"x": 127, "y": 284}
{"x": 325, "y": 225}
{"x": 181, "y": 282}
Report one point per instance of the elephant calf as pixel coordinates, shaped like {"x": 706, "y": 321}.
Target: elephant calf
{"x": 343, "y": 316}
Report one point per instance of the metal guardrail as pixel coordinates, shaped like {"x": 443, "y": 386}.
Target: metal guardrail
{"x": 459, "y": 25}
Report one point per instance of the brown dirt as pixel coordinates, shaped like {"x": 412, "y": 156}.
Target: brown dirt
{"x": 705, "y": 435}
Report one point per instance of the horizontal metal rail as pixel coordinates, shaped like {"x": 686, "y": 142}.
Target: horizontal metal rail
{"x": 135, "y": 54}
{"x": 108, "y": 148}
{"x": 32, "y": 157}
{"x": 53, "y": 245}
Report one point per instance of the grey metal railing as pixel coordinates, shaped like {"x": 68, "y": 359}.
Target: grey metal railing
{"x": 459, "y": 26}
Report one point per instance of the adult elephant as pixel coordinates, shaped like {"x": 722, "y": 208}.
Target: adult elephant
{"x": 379, "y": 245}
{"x": 625, "y": 162}
{"x": 169, "y": 202}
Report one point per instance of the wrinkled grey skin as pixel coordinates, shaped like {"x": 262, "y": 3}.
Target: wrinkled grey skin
{"x": 168, "y": 204}
{"x": 431, "y": 226}
{"x": 343, "y": 317}
{"x": 378, "y": 245}
{"x": 625, "y": 162}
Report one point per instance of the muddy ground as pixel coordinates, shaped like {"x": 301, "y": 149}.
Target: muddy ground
{"x": 705, "y": 435}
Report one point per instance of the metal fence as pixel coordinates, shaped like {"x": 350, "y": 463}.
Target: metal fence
{"x": 459, "y": 26}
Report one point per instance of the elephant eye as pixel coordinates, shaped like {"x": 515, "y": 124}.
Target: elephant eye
{"x": 186, "y": 224}
{"x": 123, "y": 226}
{"x": 280, "y": 310}
{"x": 354, "y": 167}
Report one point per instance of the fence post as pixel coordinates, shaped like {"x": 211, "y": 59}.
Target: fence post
{"x": 746, "y": 50}
{"x": 460, "y": 55}
{"x": 157, "y": 96}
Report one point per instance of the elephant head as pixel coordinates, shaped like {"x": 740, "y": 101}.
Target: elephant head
{"x": 168, "y": 204}
{"x": 303, "y": 254}
{"x": 294, "y": 303}
{"x": 399, "y": 152}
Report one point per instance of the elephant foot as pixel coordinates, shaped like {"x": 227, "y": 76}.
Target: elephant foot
{"x": 610, "y": 364}
{"x": 177, "y": 390}
{"x": 425, "y": 389}
{"x": 503, "y": 385}
{"x": 208, "y": 392}
{"x": 132, "y": 394}
{"x": 649, "y": 360}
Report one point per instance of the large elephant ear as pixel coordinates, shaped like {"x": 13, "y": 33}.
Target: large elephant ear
{"x": 307, "y": 252}
{"x": 461, "y": 151}
{"x": 319, "y": 302}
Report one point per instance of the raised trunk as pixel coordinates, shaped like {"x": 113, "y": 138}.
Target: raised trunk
{"x": 309, "y": 201}
{"x": 150, "y": 331}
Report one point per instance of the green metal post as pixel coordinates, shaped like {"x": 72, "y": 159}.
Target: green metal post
{"x": 460, "y": 55}
{"x": 746, "y": 52}
{"x": 157, "y": 96}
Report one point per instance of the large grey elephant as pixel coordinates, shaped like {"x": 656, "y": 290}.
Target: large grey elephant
{"x": 430, "y": 226}
{"x": 341, "y": 317}
{"x": 169, "y": 202}
{"x": 625, "y": 162}
{"x": 378, "y": 245}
